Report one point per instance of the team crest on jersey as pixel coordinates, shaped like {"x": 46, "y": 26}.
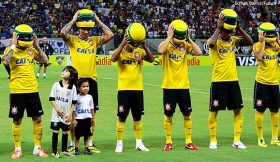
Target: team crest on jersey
{"x": 121, "y": 108}
{"x": 136, "y": 55}
{"x": 216, "y": 103}
{"x": 259, "y": 102}
{"x": 29, "y": 52}
{"x": 14, "y": 110}
{"x": 182, "y": 49}
{"x": 167, "y": 107}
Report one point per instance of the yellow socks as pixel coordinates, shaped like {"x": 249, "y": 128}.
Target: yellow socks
{"x": 120, "y": 130}
{"x": 259, "y": 124}
{"x": 274, "y": 125}
{"x": 16, "y": 130}
{"x": 238, "y": 124}
{"x": 37, "y": 132}
{"x": 188, "y": 128}
{"x": 138, "y": 129}
{"x": 212, "y": 125}
{"x": 168, "y": 128}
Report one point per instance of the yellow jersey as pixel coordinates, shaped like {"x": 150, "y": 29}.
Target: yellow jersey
{"x": 223, "y": 60}
{"x": 83, "y": 55}
{"x": 175, "y": 67}
{"x": 22, "y": 78}
{"x": 268, "y": 69}
{"x": 130, "y": 69}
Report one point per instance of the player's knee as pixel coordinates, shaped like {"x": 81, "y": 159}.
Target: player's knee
{"x": 17, "y": 121}
{"x": 37, "y": 120}
{"x": 55, "y": 131}
{"x": 122, "y": 119}
{"x": 274, "y": 110}
{"x": 64, "y": 132}
{"x": 261, "y": 110}
{"x": 137, "y": 118}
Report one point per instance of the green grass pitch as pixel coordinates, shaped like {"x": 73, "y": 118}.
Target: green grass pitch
{"x": 153, "y": 134}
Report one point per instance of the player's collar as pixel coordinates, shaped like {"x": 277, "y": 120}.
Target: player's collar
{"x": 70, "y": 86}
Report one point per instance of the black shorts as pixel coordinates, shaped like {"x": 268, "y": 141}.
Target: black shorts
{"x": 29, "y": 101}
{"x": 93, "y": 91}
{"x": 173, "y": 96}
{"x": 266, "y": 96}
{"x": 130, "y": 99}
{"x": 225, "y": 95}
{"x": 59, "y": 125}
{"x": 83, "y": 128}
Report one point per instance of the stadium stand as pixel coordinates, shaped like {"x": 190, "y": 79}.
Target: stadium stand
{"x": 48, "y": 17}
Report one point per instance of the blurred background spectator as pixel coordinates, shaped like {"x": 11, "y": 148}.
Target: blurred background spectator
{"x": 47, "y": 17}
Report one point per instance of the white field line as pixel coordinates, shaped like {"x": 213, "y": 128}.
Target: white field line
{"x": 192, "y": 90}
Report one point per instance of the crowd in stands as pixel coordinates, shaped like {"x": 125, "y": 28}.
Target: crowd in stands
{"x": 47, "y": 17}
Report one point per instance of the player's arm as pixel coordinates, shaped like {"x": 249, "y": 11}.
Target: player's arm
{"x": 149, "y": 56}
{"x": 278, "y": 38}
{"x": 118, "y": 51}
{"x": 64, "y": 33}
{"x": 8, "y": 56}
{"x": 107, "y": 34}
{"x": 260, "y": 53}
{"x": 195, "y": 48}
{"x": 69, "y": 116}
{"x": 57, "y": 109}
{"x": 247, "y": 40}
{"x": 163, "y": 45}
{"x": 41, "y": 57}
{"x": 215, "y": 36}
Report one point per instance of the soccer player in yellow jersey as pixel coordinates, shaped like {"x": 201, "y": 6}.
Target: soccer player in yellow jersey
{"x": 174, "y": 50}
{"x": 129, "y": 57}
{"x": 266, "y": 91}
{"x": 83, "y": 53}
{"x": 225, "y": 91}
{"x": 21, "y": 56}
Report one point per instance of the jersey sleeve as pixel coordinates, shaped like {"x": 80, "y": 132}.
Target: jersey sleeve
{"x": 74, "y": 95}
{"x": 256, "y": 47}
{"x": 7, "y": 50}
{"x": 189, "y": 48}
{"x": 52, "y": 94}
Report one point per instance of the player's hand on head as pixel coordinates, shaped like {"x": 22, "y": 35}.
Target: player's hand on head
{"x": 125, "y": 39}
{"x": 170, "y": 31}
{"x": 76, "y": 15}
{"x": 35, "y": 39}
{"x": 14, "y": 39}
{"x": 261, "y": 36}
{"x": 220, "y": 22}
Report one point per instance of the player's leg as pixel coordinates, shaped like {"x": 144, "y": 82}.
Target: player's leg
{"x": 217, "y": 102}
{"x": 72, "y": 137}
{"x": 93, "y": 90}
{"x": 137, "y": 110}
{"x": 45, "y": 71}
{"x": 87, "y": 132}
{"x": 34, "y": 109}
{"x": 39, "y": 70}
{"x": 78, "y": 133}
{"x": 274, "y": 104}
{"x": 235, "y": 103}
{"x": 17, "y": 105}
{"x": 169, "y": 105}
{"x": 55, "y": 126}
{"x": 260, "y": 99}
{"x": 64, "y": 140}
{"x": 123, "y": 111}
{"x": 184, "y": 102}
